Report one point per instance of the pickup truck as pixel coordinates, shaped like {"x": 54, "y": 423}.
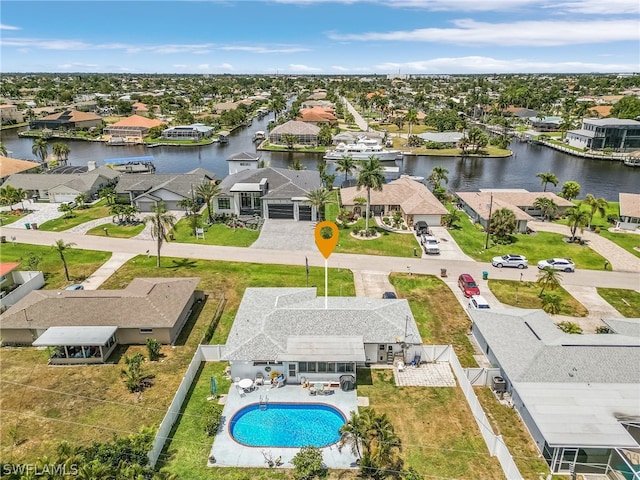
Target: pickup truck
{"x": 430, "y": 244}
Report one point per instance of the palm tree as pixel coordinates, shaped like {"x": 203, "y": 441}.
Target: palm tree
{"x": 596, "y": 205}
{"x": 3, "y": 150}
{"x": 411, "y": 117}
{"x": 548, "y": 278}
{"x": 370, "y": 177}
{"x": 347, "y": 165}
{"x": 161, "y": 223}
{"x": 552, "y": 304}
{"x": 452, "y": 218}
{"x": 547, "y": 178}
{"x": 577, "y": 219}
{"x": 438, "y": 174}
{"x": 40, "y": 149}
{"x": 297, "y": 165}
{"x": 547, "y": 206}
{"x": 60, "y": 247}
{"x": 502, "y": 224}
{"x": 353, "y": 433}
{"x": 61, "y": 151}
{"x": 208, "y": 191}
{"x": 319, "y": 198}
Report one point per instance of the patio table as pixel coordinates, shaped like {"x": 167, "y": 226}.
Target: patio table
{"x": 245, "y": 383}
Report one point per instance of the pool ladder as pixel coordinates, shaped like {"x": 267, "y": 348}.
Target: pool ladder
{"x": 263, "y": 402}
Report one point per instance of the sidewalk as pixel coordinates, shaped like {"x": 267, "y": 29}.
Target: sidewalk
{"x": 106, "y": 270}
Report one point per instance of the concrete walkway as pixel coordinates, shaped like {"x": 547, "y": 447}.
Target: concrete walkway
{"x": 110, "y": 267}
{"x": 618, "y": 257}
{"x": 83, "y": 228}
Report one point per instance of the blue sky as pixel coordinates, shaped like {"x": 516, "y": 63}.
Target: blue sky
{"x": 321, "y": 36}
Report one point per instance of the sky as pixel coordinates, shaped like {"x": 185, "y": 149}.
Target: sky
{"x": 327, "y": 37}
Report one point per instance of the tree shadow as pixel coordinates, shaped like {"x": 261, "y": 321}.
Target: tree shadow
{"x": 196, "y": 310}
{"x": 183, "y": 263}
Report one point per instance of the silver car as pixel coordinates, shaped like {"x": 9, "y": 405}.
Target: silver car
{"x": 510, "y": 260}
{"x": 564, "y": 264}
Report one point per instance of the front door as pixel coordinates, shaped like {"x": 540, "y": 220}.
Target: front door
{"x": 293, "y": 372}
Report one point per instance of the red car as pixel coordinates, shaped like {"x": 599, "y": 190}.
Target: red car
{"x": 468, "y": 285}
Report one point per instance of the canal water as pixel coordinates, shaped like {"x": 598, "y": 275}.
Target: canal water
{"x": 601, "y": 178}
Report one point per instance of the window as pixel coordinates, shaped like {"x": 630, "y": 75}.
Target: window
{"x": 245, "y": 200}
{"x": 224, "y": 203}
{"x": 322, "y": 367}
{"x": 302, "y": 367}
{"x": 146, "y": 330}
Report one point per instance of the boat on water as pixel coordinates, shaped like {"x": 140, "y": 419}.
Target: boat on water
{"x": 363, "y": 149}
{"x": 132, "y": 164}
{"x": 259, "y": 136}
{"x": 633, "y": 161}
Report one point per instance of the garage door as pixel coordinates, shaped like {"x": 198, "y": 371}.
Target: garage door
{"x": 305, "y": 212}
{"x": 64, "y": 197}
{"x": 281, "y": 211}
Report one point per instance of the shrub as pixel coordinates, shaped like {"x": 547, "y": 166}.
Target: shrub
{"x": 612, "y": 218}
{"x": 307, "y": 464}
{"x": 570, "y": 327}
{"x": 596, "y": 230}
{"x": 212, "y": 419}
{"x": 153, "y": 349}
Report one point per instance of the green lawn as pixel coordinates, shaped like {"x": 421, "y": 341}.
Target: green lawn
{"x": 80, "y": 216}
{"x": 117, "y": 231}
{"x": 216, "y": 234}
{"x": 526, "y": 293}
{"x": 627, "y": 302}
{"x": 629, "y": 241}
{"x": 81, "y": 263}
{"x": 535, "y": 247}
{"x": 8, "y": 217}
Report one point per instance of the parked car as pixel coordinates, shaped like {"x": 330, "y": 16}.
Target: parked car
{"x": 430, "y": 244}
{"x": 510, "y": 260}
{"x": 478, "y": 302}
{"x": 421, "y": 227}
{"x": 468, "y": 285}
{"x": 389, "y": 295}
{"x": 564, "y": 264}
{"x": 75, "y": 286}
{"x": 71, "y": 204}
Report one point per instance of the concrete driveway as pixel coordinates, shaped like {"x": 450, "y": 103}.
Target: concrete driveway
{"x": 286, "y": 235}
{"x": 42, "y": 212}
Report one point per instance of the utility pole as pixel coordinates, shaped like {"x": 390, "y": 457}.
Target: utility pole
{"x": 486, "y": 240}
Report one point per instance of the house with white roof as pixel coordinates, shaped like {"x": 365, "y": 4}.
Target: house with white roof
{"x": 301, "y": 335}
{"x": 578, "y": 395}
{"x": 196, "y": 131}
{"x": 619, "y": 134}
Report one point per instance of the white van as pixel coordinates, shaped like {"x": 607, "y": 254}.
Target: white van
{"x": 478, "y": 302}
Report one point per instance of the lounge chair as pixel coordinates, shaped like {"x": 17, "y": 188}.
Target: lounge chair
{"x": 401, "y": 366}
{"x": 259, "y": 380}
{"x": 241, "y": 391}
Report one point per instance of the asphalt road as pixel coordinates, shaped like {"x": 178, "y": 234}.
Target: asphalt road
{"x": 433, "y": 266}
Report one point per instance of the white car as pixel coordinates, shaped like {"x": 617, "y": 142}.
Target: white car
{"x": 430, "y": 244}
{"x": 510, "y": 260}
{"x": 564, "y": 264}
{"x": 478, "y": 302}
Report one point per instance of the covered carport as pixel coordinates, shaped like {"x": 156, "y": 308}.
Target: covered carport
{"x": 74, "y": 345}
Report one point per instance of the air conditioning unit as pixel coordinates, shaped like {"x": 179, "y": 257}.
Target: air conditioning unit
{"x": 499, "y": 385}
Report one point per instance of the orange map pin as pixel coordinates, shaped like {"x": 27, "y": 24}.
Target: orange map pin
{"x": 326, "y": 234}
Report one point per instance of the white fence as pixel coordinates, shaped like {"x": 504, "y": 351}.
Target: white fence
{"x": 481, "y": 377}
{"x": 174, "y": 409}
{"x": 494, "y": 442}
{"x": 28, "y": 281}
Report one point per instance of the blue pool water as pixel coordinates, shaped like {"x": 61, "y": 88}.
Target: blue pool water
{"x": 287, "y": 425}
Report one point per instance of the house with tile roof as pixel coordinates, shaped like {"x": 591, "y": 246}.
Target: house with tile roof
{"x": 301, "y": 335}
{"x": 411, "y": 198}
{"x": 270, "y": 193}
{"x": 480, "y": 205}
{"x": 629, "y": 211}
{"x": 578, "y": 395}
{"x": 9, "y": 166}
{"x": 10, "y": 114}
{"x": 145, "y": 191}
{"x": 67, "y": 120}
{"x": 84, "y": 326}
{"x": 63, "y": 187}
{"x": 132, "y": 129}
{"x": 317, "y": 115}
{"x": 305, "y": 133}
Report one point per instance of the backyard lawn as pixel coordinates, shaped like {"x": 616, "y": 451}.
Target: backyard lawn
{"x": 525, "y": 295}
{"x": 117, "y": 231}
{"x": 627, "y": 302}
{"x": 536, "y": 247}
{"x": 79, "y": 216}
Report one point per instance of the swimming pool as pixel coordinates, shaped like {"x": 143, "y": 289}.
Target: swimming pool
{"x": 287, "y": 425}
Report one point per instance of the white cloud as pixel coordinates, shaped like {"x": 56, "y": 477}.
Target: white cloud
{"x": 598, "y": 7}
{"x": 294, "y": 67}
{"x": 77, "y": 66}
{"x": 264, "y": 49}
{"x": 527, "y": 33}
{"x": 8, "y": 27}
{"x": 479, "y": 64}
{"x": 227, "y": 66}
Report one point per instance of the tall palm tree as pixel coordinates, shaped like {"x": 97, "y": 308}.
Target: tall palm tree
{"x": 61, "y": 151}
{"x": 61, "y": 247}
{"x": 547, "y": 206}
{"x": 40, "y": 149}
{"x": 319, "y": 198}
{"x": 438, "y": 174}
{"x": 547, "y": 177}
{"x": 347, "y": 165}
{"x": 577, "y": 219}
{"x": 353, "y": 434}
{"x": 208, "y": 191}
{"x": 411, "y": 117}
{"x": 548, "y": 278}
{"x": 598, "y": 205}
{"x": 161, "y": 224}
{"x": 370, "y": 177}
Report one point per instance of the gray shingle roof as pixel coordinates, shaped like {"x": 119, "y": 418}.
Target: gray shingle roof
{"x": 283, "y": 183}
{"x": 145, "y": 303}
{"x": 267, "y": 317}
{"x": 179, "y": 183}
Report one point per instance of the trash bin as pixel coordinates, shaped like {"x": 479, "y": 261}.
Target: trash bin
{"x": 443, "y": 272}
{"x": 34, "y": 226}
{"x": 485, "y": 275}
{"x": 27, "y": 226}
{"x": 3, "y": 239}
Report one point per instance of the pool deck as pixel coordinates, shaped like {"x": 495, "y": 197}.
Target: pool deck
{"x": 228, "y": 453}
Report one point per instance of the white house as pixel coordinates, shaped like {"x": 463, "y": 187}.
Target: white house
{"x": 629, "y": 211}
